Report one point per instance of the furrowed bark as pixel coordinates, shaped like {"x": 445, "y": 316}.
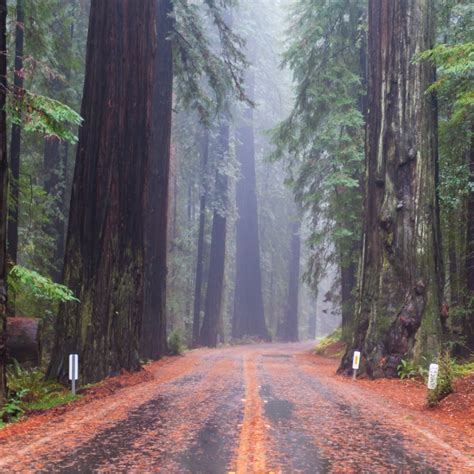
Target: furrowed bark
{"x": 398, "y": 314}
{"x": 153, "y": 342}
{"x": 109, "y": 260}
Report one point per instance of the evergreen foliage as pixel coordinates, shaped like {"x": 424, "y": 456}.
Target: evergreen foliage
{"x": 322, "y": 139}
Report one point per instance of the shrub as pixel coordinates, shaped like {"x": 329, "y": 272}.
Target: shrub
{"x": 445, "y": 380}
{"x": 176, "y": 345}
{"x": 326, "y": 341}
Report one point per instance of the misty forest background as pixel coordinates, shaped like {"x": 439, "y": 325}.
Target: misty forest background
{"x": 207, "y": 172}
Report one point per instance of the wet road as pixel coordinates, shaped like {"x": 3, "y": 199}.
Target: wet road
{"x": 267, "y": 408}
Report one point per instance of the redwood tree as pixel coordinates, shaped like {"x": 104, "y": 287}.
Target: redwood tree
{"x": 248, "y": 318}
{"x": 289, "y": 330}
{"x": 212, "y": 323}
{"x": 15, "y": 142}
{"x": 3, "y": 198}
{"x": 200, "y": 244}
{"x": 398, "y": 314}
{"x": 117, "y": 233}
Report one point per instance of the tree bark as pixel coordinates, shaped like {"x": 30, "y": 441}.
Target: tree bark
{"x": 3, "y": 201}
{"x": 290, "y": 326}
{"x": 114, "y": 252}
{"x": 212, "y": 322}
{"x": 469, "y": 320}
{"x": 153, "y": 342}
{"x": 15, "y": 145}
{"x": 200, "y": 247}
{"x": 248, "y": 318}
{"x": 398, "y": 314}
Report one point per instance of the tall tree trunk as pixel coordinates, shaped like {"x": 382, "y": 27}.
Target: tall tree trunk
{"x": 117, "y": 224}
{"x": 248, "y": 318}
{"x": 200, "y": 246}
{"x": 290, "y": 326}
{"x": 469, "y": 320}
{"x": 15, "y": 145}
{"x": 3, "y": 201}
{"x": 215, "y": 284}
{"x": 398, "y": 314}
{"x": 348, "y": 273}
{"x": 55, "y": 156}
{"x": 153, "y": 342}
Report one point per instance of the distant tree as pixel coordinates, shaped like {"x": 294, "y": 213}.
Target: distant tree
{"x": 201, "y": 235}
{"x": 212, "y": 325}
{"x": 322, "y": 138}
{"x": 398, "y": 314}
{"x": 15, "y": 142}
{"x": 248, "y": 318}
{"x": 289, "y": 331}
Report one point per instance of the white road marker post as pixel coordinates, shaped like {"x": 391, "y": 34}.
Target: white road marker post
{"x": 73, "y": 371}
{"x": 433, "y": 376}
{"x": 355, "y": 364}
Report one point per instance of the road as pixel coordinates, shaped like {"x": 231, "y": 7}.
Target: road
{"x": 256, "y": 408}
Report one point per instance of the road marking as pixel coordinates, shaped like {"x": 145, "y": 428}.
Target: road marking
{"x": 251, "y": 454}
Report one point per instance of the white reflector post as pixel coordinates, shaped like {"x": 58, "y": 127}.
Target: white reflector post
{"x": 73, "y": 371}
{"x": 356, "y": 360}
{"x": 433, "y": 376}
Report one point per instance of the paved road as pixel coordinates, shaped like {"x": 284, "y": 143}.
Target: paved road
{"x": 267, "y": 408}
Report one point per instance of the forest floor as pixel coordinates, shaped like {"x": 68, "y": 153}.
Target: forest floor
{"x": 256, "y": 408}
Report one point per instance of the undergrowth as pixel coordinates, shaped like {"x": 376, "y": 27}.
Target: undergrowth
{"x": 29, "y": 391}
{"x": 325, "y": 342}
{"x": 445, "y": 380}
{"x": 176, "y": 344}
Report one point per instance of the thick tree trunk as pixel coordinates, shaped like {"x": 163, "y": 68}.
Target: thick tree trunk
{"x": 290, "y": 326}
{"x": 398, "y": 314}
{"x": 3, "y": 201}
{"x": 248, "y": 318}
{"x": 212, "y": 323}
{"x": 153, "y": 342}
{"x": 114, "y": 252}
{"x": 200, "y": 247}
{"x": 15, "y": 145}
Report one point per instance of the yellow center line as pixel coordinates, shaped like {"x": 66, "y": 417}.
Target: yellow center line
{"x": 251, "y": 453}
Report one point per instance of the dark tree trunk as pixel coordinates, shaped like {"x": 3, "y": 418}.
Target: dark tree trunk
{"x": 469, "y": 321}
{"x": 212, "y": 323}
{"x": 113, "y": 248}
{"x": 398, "y": 314}
{"x": 290, "y": 325}
{"x": 15, "y": 145}
{"x": 3, "y": 201}
{"x": 248, "y": 318}
{"x": 153, "y": 339}
{"x": 200, "y": 247}
{"x": 348, "y": 273}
